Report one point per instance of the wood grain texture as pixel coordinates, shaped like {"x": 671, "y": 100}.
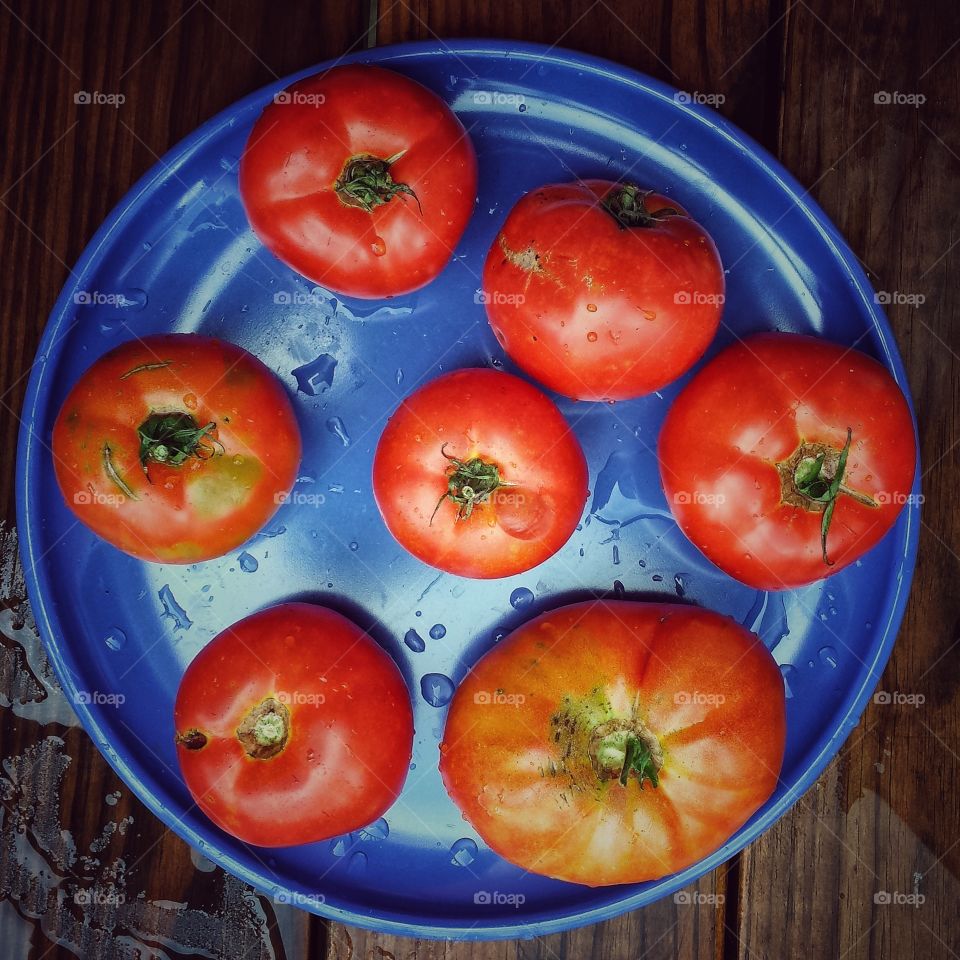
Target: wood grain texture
{"x": 801, "y": 77}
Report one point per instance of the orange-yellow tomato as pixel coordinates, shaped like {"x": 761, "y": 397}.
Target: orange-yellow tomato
{"x": 615, "y": 742}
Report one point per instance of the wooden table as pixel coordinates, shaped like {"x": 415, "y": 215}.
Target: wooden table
{"x": 801, "y": 78}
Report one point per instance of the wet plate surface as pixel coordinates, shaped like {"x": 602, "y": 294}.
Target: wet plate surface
{"x": 178, "y": 255}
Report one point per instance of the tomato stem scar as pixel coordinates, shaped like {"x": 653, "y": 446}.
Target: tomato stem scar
{"x": 159, "y": 365}
{"x": 192, "y": 739}
{"x": 112, "y": 473}
{"x": 265, "y": 730}
{"x": 469, "y": 482}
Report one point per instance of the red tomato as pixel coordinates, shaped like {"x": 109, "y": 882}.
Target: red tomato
{"x": 603, "y": 291}
{"x": 615, "y": 742}
{"x": 477, "y": 473}
{"x": 293, "y": 726}
{"x": 361, "y": 180}
{"x": 786, "y": 458}
{"x": 176, "y": 448}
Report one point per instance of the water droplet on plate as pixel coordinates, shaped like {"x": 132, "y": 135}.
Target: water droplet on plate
{"x": 314, "y": 377}
{"x": 521, "y": 597}
{"x": 788, "y": 672}
{"x": 378, "y": 830}
{"x": 828, "y": 656}
{"x": 438, "y": 631}
{"x": 336, "y": 427}
{"x": 436, "y": 688}
{"x": 463, "y": 852}
{"x": 172, "y": 609}
{"x": 414, "y": 641}
{"x": 116, "y": 639}
{"x": 248, "y": 562}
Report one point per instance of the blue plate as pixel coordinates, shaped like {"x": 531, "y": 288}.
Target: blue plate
{"x": 177, "y": 255}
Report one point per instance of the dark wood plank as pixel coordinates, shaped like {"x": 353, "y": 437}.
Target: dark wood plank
{"x": 882, "y": 821}
{"x": 70, "y": 827}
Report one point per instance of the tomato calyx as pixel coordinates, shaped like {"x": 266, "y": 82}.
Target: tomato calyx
{"x": 597, "y": 746}
{"x": 365, "y": 182}
{"x": 622, "y": 748}
{"x": 265, "y": 730}
{"x": 173, "y": 438}
{"x": 812, "y": 478}
{"x": 469, "y": 482}
{"x": 627, "y": 204}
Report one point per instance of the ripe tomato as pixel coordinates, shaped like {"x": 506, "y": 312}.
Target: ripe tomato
{"x": 361, "y": 180}
{"x": 176, "y": 448}
{"x": 293, "y": 726}
{"x": 477, "y": 473}
{"x": 615, "y": 742}
{"x": 603, "y": 291}
{"x": 786, "y": 458}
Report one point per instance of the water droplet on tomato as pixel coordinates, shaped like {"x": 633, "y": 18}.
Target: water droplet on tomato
{"x": 438, "y": 631}
{"x": 378, "y": 247}
{"x": 592, "y": 307}
{"x": 649, "y": 314}
{"x": 521, "y": 597}
{"x": 190, "y": 401}
{"x": 436, "y": 688}
{"x": 463, "y": 852}
{"x": 592, "y": 336}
